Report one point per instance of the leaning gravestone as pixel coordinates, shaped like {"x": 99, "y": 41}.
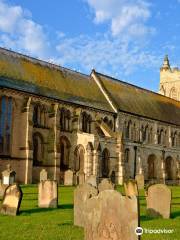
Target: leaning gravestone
{"x": 11, "y": 200}
{"x": 111, "y": 216}
{"x": 92, "y": 180}
{"x": 81, "y": 194}
{"x": 43, "y": 175}
{"x": 105, "y": 184}
{"x": 68, "y": 178}
{"x": 131, "y": 188}
{"x": 48, "y": 194}
{"x": 158, "y": 201}
{"x": 140, "y": 181}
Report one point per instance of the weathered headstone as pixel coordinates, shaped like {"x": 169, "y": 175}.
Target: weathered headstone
{"x": 131, "y": 188}
{"x": 68, "y": 178}
{"x": 140, "y": 181}
{"x": 81, "y": 194}
{"x": 80, "y": 178}
{"x": 111, "y": 216}
{"x": 158, "y": 201}
{"x": 11, "y": 200}
{"x": 43, "y": 175}
{"x": 2, "y": 189}
{"x": 92, "y": 180}
{"x": 48, "y": 194}
{"x": 105, "y": 184}
{"x": 8, "y": 175}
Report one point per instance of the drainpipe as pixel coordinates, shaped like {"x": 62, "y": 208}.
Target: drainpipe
{"x": 135, "y": 159}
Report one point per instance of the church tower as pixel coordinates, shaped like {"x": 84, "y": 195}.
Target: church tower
{"x": 169, "y": 80}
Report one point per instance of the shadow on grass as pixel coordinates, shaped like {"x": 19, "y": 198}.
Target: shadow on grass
{"x": 65, "y": 206}
{"x": 145, "y": 218}
{"x": 175, "y": 214}
{"x": 41, "y": 210}
{"x": 65, "y": 224}
{"x": 37, "y": 210}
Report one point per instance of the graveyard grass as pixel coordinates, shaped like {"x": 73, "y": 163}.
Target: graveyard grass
{"x": 57, "y": 224}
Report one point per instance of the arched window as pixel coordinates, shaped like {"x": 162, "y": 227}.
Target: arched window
{"x": 126, "y": 155}
{"x": 150, "y": 135}
{"x": 65, "y": 117}
{"x": 38, "y": 149}
{"x": 128, "y": 130}
{"x": 168, "y": 168}
{"x": 64, "y": 153}
{"x": 173, "y": 93}
{"x": 39, "y": 116}
{"x": 86, "y": 122}
{"x": 5, "y": 124}
{"x": 151, "y": 166}
{"x": 79, "y": 159}
{"x": 160, "y": 134}
{"x": 108, "y": 122}
{"x": 105, "y": 163}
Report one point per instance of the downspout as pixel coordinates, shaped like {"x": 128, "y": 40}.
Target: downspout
{"x": 27, "y": 138}
{"x": 135, "y": 160}
{"x": 55, "y": 141}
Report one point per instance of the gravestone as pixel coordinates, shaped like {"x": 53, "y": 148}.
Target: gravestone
{"x": 8, "y": 176}
{"x": 81, "y": 194}
{"x": 105, "y": 184}
{"x": 92, "y": 180}
{"x": 11, "y": 200}
{"x": 80, "y": 178}
{"x": 43, "y": 175}
{"x": 140, "y": 181}
{"x": 158, "y": 201}
{"x": 111, "y": 216}
{"x": 131, "y": 188}
{"x": 2, "y": 189}
{"x": 68, "y": 178}
{"x": 48, "y": 194}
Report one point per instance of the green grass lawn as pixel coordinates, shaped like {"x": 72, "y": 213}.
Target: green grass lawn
{"x": 51, "y": 224}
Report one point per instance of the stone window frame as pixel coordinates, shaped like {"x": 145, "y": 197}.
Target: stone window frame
{"x": 6, "y": 118}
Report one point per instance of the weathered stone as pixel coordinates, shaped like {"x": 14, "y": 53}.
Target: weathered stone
{"x": 43, "y": 175}
{"x": 2, "y": 189}
{"x": 68, "y": 178}
{"x": 8, "y": 175}
{"x": 11, "y": 200}
{"x": 140, "y": 181}
{"x": 80, "y": 178}
{"x": 92, "y": 180}
{"x": 131, "y": 188}
{"x": 105, "y": 184}
{"x": 48, "y": 194}
{"x": 111, "y": 216}
{"x": 81, "y": 194}
{"x": 158, "y": 201}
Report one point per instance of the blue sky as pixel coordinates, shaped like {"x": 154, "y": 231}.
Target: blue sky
{"x": 126, "y": 39}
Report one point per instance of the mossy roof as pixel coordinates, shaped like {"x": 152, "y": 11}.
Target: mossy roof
{"x": 38, "y": 77}
{"x": 132, "y": 99}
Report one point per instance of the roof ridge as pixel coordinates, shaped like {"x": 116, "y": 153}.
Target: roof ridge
{"x": 135, "y": 86}
{"x": 44, "y": 63}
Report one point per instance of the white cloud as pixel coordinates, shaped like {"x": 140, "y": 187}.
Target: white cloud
{"x": 106, "y": 54}
{"x": 18, "y": 31}
{"x": 124, "y": 15}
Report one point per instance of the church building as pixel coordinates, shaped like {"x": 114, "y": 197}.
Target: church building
{"x": 57, "y": 119}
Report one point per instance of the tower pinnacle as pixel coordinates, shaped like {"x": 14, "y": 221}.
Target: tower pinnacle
{"x": 166, "y": 64}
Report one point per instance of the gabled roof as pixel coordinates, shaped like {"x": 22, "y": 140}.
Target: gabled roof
{"x": 23, "y": 73}
{"x": 135, "y": 100}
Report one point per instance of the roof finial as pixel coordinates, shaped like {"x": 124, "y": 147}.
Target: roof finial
{"x": 166, "y": 64}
